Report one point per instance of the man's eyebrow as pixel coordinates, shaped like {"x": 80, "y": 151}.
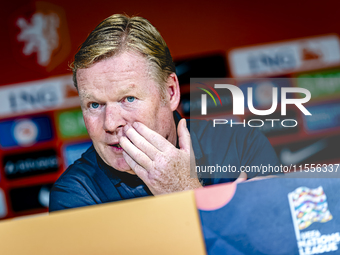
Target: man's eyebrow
{"x": 130, "y": 88}
{"x": 84, "y": 95}
{"x": 127, "y": 89}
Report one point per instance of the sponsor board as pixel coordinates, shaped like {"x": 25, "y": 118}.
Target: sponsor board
{"x": 36, "y": 96}
{"x": 311, "y": 151}
{"x": 73, "y": 152}
{"x": 71, "y": 124}
{"x": 320, "y": 84}
{"x": 25, "y": 131}
{"x": 3, "y": 205}
{"x": 29, "y": 164}
{"x": 30, "y": 198}
{"x": 323, "y": 117}
{"x": 285, "y": 57}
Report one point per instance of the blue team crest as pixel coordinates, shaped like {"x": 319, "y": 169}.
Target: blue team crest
{"x": 25, "y": 131}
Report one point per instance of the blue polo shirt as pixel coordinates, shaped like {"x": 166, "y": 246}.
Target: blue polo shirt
{"x": 91, "y": 181}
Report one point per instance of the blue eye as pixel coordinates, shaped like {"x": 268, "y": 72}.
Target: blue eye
{"x": 130, "y": 99}
{"x": 94, "y": 105}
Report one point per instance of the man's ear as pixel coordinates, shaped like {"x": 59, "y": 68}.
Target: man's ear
{"x": 173, "y": 91}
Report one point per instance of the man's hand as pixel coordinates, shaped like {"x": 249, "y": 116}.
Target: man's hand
{"x": 162, "y": 167}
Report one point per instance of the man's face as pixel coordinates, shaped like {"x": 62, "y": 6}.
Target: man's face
{"x": 119, "y": 91}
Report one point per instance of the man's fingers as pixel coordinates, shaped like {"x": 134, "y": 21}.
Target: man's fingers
{"x": 152, "y": 137}
{"x": 136, "y": 154}
{"x": 140, "y": 171}
{"x": 129, "y": 161}
{"x": 242, "y": 177}
{"x": 141, "y": 143}
{"x": 184, "y": 139}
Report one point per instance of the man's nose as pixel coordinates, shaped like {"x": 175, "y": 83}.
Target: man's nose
{"x": 113, "y": 119}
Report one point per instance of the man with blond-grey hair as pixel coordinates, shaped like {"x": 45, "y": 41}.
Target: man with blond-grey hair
{"x": 129, "y": 94}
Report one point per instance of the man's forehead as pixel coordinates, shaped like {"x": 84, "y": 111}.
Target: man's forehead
{"x": 119, "y": 62}
{"x": 124, "y": 66}
{"x": 106, "y": 87}
{"x": 119, "y": 74}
